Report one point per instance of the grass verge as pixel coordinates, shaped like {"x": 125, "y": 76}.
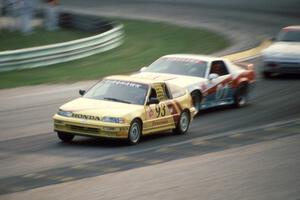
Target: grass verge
{"x": 144, "y": 42}
{"x": 15, "y": 40}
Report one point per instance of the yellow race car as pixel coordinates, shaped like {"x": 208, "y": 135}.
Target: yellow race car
{"x": 125, "y": 107}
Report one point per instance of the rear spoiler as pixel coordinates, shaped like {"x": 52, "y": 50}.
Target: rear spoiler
{"x": 248, "y": 66}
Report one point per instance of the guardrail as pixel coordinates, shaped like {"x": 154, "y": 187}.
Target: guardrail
{"x": 61, "y": 52}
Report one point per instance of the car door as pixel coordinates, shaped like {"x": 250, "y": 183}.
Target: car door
{"x": 220, "y": 85}
{"x": 158, "y": 116}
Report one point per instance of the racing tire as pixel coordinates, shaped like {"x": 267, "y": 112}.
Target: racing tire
{"x": 196, "y": 97}
{"x": 183, "y": 123}
{"x": 267, "y": 75}
{"x": 135, "y": 132}
{"x": 241, "y": 96}
{"x": 65, "y": 137}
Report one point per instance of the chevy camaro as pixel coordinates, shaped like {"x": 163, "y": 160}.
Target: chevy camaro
{"x": 125, "y": 107}
{"x": 211, "y": 81}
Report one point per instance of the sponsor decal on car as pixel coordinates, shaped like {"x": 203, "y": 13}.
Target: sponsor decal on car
{"x": 86, "y": 117}
{"x": 125, "y": 83}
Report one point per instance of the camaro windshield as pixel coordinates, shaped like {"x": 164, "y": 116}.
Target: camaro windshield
{"x": 289, "y": 36}
{"x": 180, "y": 66}
{"x": 119, "y": 91}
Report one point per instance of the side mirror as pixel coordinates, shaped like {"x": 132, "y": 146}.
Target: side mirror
{"x": 153, "y": 100}
{"x": 82, "y": 92}
{"x": 212, "y": 76}
{"x": 143, "y": 69}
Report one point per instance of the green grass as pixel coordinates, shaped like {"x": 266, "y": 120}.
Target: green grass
{"x": 15, "y": 40}
{"x": 144, "y": 42}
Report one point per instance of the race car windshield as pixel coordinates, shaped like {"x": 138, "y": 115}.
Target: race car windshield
{"x": 187, "y": 67}
{"x": 289, "y": 36}
{"x": 119, "y": 91}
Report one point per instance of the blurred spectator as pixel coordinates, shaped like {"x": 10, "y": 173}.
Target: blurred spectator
{"x": 51, "y": 15}
{"x": 26, "y": 10}
{"x": 11, "y": 11}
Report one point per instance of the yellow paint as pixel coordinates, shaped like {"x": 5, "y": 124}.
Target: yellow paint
{"x": 160, "y": 91}
{"x": 249, "y": 53}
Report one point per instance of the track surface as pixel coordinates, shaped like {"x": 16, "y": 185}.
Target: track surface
{"x": 31, "y": 156}
{"x": 246, "y": 172}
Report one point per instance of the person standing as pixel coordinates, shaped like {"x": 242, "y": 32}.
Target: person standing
{"x": 11, "y": 11}
{"x": 27, "y": 8}
{"x": 51, "y": 15}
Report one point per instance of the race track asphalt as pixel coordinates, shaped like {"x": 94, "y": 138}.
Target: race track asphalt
{"x": 32, "y": 156}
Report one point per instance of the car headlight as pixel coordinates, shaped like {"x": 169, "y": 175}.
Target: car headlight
{"x": 118, "y": 120}
{"x": 64, "y": 113}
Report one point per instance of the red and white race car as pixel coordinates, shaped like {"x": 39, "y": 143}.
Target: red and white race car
{"x": 212, "y": 81}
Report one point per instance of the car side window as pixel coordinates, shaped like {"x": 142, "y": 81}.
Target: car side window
{"x": 218, "y": 67}
{"x": 153, "y": 93}
{"x": 160, "y": 91}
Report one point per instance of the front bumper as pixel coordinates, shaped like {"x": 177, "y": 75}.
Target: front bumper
{"x": 290, "y": 67}
{"x": 90, "y": 128}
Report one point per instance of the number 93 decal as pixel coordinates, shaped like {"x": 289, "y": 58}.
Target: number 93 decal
{"x": 160, "y": 110}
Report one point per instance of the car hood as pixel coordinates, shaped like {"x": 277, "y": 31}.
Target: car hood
{"x": 100, "y": 108}
{"x": 291, "y": 49}
{"x": 179, "y": 80}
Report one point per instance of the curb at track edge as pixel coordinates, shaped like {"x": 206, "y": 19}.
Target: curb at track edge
{"x": 250, "y": 53}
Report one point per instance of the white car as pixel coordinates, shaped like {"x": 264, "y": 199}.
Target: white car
{"x": 212, "y": 81}
{"x": 283, "y": 56}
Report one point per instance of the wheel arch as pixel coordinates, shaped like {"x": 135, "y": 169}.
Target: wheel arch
{"x": 140, "y": 120}
{"x": 242, "y": 81}
{"x": 199, "y": 93}
{"x": 186, "y": 109}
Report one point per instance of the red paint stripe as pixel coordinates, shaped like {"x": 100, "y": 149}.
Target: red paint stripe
{"x": 174, "y": 113}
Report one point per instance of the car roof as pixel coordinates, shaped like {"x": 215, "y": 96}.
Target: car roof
{"x": 295, "y": 27}
{"x": 193, "y": 56}
{"x": 142, "y": 80}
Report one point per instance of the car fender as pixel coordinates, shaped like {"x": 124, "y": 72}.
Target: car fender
{"x": 241, "y": 80}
